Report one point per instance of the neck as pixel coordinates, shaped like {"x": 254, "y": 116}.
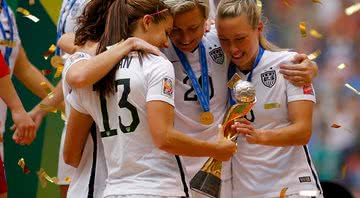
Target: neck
{"x": 249, "y": 65}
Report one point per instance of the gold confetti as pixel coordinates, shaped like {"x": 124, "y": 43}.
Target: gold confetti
{"x": 47, "y": 108}
{"x": 309, "y": 193}
{"x": 283, "y": 192}
{"x": 316, "y": 1}
{"x": 1, "y": 136}
{"x": 43, "y": 177}
{"x": 46, "y": 72}
{"x": 31, "y": 2}
{"x": 63, "y": 116}
{"x": 315, "y": 34}
{"x": 286, "y": 2}
{"x": 271, "y": 106}
{"x": 8, "y": 43}
{"x": 352, "y": 88}
{"x": 51, "y": 50}
{"x": 58, "y": 72}
{"x": 343, "y": 171}
{"x": 336, "y": 126}
{"x": 57, "y": 61}
{"x": 22, "y": 164}
{"x": 233, "y": 80}
{"x": 47, "y": 89}
{"x": 68, "y": 179}
{"x": 27, "y": 14}
{"x": 314, "y": 55}
{"x": 259, "y": 5}
{"x": 352, "y": 9}
{"x": 341, "y": 66}
{"x": 302, "y": 26}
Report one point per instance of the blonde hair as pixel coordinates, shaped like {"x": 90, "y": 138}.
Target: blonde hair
{"x": 249, "y": 8}
{"x": 182, "y": 6}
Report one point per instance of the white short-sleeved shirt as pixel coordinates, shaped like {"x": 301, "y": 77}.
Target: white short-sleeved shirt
{"x": 263, "y": 171}
{"x": 12, "y": 59}
{"x": 135, "y": 164}
{"x": 89, "y": 178}
{"x": 188, "y": 109}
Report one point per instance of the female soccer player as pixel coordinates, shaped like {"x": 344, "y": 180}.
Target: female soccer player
{"x": 273, "y": 153}
{"x": 133, "y": 107}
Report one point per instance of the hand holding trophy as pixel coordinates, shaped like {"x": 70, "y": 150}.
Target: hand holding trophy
{"x": 208, "y": 180}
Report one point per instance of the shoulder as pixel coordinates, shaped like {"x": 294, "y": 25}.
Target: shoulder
{"x": 155, "y": 61}
{"x": 282, "y": 56}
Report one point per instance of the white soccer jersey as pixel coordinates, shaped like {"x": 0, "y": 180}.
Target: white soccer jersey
{"x": 15, "y": 50}
{"x": 88, "y": 180}
{"x": 263, "y": 171}
{"x": 71, "y": 11}
{"x": 188, "y": 109}
{"x": 135, "y": 164}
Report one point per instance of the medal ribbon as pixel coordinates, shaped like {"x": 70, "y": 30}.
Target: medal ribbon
{"x": 8, "y": 50}
{"x": 232, "y": 71}
{"x": 202, "y": 93}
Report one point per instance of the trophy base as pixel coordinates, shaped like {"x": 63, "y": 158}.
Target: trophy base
{"x": 206, "y": 184}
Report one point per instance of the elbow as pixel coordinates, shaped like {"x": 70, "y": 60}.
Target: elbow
{"x": 305, "y": 137}
{"x": 163, "y": 143}
{"x": 70, "y": 159}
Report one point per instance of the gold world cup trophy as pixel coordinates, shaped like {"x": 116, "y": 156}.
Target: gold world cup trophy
{"x": 208, "y": 180}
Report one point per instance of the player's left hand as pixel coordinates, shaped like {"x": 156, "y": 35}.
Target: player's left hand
{"x": 301, "y": 72}
{"x": 245, "y": 128}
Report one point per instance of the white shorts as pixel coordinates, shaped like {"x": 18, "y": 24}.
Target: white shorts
{"x": 64, "y": 170}
{"x": 137, "y": 196}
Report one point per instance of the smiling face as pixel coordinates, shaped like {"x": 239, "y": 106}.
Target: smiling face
{"x": 188, "y": 29}
{"x": 239, "y": 40}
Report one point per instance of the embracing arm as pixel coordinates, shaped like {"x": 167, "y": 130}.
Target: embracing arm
{"x": 161, "y": 118}
{"x": 87, "y": 72}
{"x": 77, "y": 132}
{"x": 297, "y": 133}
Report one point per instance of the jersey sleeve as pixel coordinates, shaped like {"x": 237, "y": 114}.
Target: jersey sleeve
{"x": 74, "y": 99}
{"x": 306, "y": 92}
{"x": 74, "y": 58}
{"x": 160, "y": 81}
{"x": 4, "y": 69}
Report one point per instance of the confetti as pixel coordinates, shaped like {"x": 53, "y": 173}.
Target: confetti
{"x": 57, "y": 61}
{"x": 259, "y": 5}
{"x": 22, "y": 164}
{"x": 63, "y": 116}
{"x": 46, "y": 72}
{"x": 343, "y": 171}
{"x": 336, "y": 126}
{"x": 47, "y": 89}
{"x": 283, "y": 192}
{"x": 51, "y": 50}
{"x": 352, "y": 88}
{"x": 309, "y": 193}
{"x": 352, "y": 9}
{"x": 316, "y": 1}
{"x": 315, "y": 34}
{"x": 286, "y": 2}
{"x": 341, "y": 66}
{"x": 58, "y": 72}
{"x": 27, "y": 14}
{"x": 47, "y": 108}
{"x": 68, "y": 179}
{"x": 302, "y": 27}
{"x": 271, "y": 106}
{"x": 31, "y": 2}
{"x": 8, "y": 43}
{"x": 43, "y": 177}
{"x": 314, "y": 55}
{"x": 1, "y": 136}
{"x": 233, "y": 80}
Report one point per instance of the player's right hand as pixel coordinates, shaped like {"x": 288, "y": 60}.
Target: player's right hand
{"x": 225, "y": 148}
{"x": 24, "y": 128}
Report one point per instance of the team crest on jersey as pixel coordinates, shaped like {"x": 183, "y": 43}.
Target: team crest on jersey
{"x": 168, "y": 87}
{"x": 217, "y": 55}
{"x": 308, "y": 90}
{"x": 268, "y": 78}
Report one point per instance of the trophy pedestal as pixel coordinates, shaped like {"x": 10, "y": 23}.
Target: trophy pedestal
{"x": 206, "y": 184}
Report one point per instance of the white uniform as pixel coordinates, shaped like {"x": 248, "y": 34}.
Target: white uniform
{"x": 88, "y": 180}
{"x": 15, "y": 50}
{"x": 263, "y": 171}
{"x": 188, "y": 108}
{"x": 135, "y": 165}
{"x": 70, "y": 11}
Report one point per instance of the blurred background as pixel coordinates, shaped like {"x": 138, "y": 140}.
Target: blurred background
{"x": 335, "y": 151}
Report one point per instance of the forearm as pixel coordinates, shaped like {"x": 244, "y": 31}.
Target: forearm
{"x": 32, "y": 78}
{"x": 292, "y": 135}
{"x": 8, "y": 94}
{"x": 87, "y": 73}
{"x": 55, "y": 101}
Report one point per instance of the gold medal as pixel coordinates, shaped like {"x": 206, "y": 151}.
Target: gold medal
{"x": 207, "y": 118}
{"x": 57, "y": 61}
